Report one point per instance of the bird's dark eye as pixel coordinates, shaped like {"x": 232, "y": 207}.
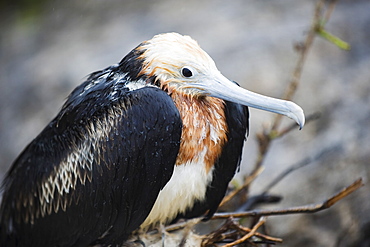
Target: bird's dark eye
{"x": 186, "y": 72}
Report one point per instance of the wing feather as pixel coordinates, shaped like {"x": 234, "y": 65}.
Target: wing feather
{"x": 93, "y": 174}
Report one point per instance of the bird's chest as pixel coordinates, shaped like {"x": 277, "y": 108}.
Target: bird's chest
{"x": 204, "y": 130}
{"x": 203, "y": 136}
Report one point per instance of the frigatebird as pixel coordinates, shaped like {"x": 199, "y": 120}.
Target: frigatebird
{"x": 152, "y": 139}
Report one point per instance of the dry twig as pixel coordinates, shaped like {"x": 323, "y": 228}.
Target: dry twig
{"x": 231, "y": 230}
{"x": 247, "y": 182}
{"x": 249, "y": 235}
{"x": 312, "y": 208}
{"x": 301, "y": 164}
{"x": 264, "y": 138}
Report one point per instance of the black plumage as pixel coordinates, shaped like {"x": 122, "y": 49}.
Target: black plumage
{"x": 122, "y": 158}
{"x": 94, "y": 174}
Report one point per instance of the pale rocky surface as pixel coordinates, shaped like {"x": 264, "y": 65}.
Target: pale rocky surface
{"x": 47, "y": 49}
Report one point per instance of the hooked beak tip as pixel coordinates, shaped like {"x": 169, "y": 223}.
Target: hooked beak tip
{"x": 298, "y": 116}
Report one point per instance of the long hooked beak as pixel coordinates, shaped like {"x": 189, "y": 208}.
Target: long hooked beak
{"x": 223, "y": 88}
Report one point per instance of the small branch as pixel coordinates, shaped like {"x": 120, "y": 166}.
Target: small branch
{"x": 304, "y": 49}
{"x": 333, "y": 39}
{"x": 293, "y": 85}
{"x": 247, "y": 182}
{"x": 293, "y": 126}
{"x": 258, "y": 199}
{"x": 320, "y": 29}
{"x": 343, "y": 193}
{"x": 265, "y": 237}
{"x": 221, "y": 233}
{"x": 301, "y": 164}
{"x": 312, "y": 208}
{"x": 181, "y": 225}
{"x": 232, "y": 230}
{"x": 285, "y": 173}
{"x": 330, "y": 10}
{"x": 249, "y": 235}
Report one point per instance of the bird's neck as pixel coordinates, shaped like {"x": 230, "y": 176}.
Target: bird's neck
{"x": 204, "y": 128}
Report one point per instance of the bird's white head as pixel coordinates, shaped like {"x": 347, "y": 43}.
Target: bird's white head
{"x": 176, "y": 60}
{"x": 179, "y": 64}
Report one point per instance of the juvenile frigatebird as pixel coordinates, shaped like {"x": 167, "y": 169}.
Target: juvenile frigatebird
{"x": 144, "y": 142}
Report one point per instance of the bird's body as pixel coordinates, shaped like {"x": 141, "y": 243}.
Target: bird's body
{"x": 137, "y": 144}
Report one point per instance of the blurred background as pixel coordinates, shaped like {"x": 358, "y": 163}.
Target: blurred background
{"x": 49, "y": 47}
